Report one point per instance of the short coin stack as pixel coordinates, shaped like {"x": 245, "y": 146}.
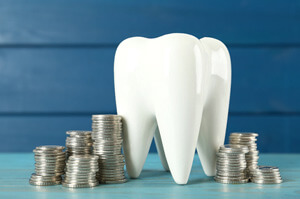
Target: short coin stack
{"x": 231, "y": 164}
{"x": 107, "y": 144}
{"x": 79, "y": 143}
{"x": 49, "y": 165}
{"x": 266, "y": 175}
{"x": 81, "y": 171}
{"x": 249, "y": 140}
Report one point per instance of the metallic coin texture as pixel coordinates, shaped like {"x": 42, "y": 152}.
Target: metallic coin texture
{"x": 79, "y": 143}
{"x": 231, "y": 164}
{"x": 49, "y": 165}
{"x": 265, "y": 175}
{"x": 107, "y": 144}
{"x": 81, "y": 171}
{"x": 237, "y": 162}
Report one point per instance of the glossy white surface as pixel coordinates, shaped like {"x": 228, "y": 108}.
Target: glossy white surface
{"x": 177, "y": 88}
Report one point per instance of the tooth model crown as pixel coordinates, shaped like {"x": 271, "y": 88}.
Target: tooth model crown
{"x": 175, "y": 88}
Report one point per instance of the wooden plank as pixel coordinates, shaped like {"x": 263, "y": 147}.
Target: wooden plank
{"x": 265, "y": 80}
{"x": 109, "y": 22}
{"x": 67, "y": 80}
{"x": 23, "y": 133}
{"x": 57, "y": 80}
{"x": 154, "y": 182}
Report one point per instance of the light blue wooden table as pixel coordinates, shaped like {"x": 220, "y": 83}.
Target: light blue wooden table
{"x": 15, "y": 170}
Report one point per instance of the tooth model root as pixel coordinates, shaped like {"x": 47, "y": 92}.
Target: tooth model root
{"x": 139, "y": 129}
{"x": 160, "y": 150}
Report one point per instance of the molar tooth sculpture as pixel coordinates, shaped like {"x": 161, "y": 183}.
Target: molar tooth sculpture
{"x": 175, "y": 88}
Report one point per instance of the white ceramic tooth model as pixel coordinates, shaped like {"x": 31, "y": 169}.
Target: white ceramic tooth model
{"x": 180, "y": 85}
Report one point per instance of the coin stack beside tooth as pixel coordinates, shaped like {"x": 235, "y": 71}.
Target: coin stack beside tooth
{"x": 231, "y": 164}
{"x": 266, "y": 175}
{"x": 107, "y": 144}
{"x": 249, "y": 140}
{"x": 79, "y": 143}
{"x": 81, "y": 171}
{"x": 49, "y": 165}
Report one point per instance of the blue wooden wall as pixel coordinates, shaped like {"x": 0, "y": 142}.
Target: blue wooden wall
{"x": 56, "y": 63}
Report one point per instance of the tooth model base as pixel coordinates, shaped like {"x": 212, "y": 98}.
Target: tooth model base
{"x": 175, "y": 88}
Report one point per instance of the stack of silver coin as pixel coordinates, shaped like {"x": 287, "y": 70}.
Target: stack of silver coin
{"x": 231, "y": 164}
{"x": 266, "y": 175}
{"x": 107, "y": 144}
{"x": 249, "y": 140}
{"x": 79, "y": 143}
{"x": 81, "y": 171}
{"x": 49, "y": 165}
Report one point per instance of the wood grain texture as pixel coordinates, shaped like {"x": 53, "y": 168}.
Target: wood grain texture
{"x": 56, "y": 62}
{"x": 109, "y": 22}
{"x": 23, "y": 133}
{"x": 16, "y": 168}
{"x": 79, "y": 80}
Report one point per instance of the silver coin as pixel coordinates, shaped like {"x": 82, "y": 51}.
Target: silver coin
{"x": 233, "y": 174}
{"x": 82, "y": 163}
{"x": 111, "y": 164}
{"x": 82, "y": 170}
{"x": 266, "y": 181}
{"x": 81, "y": 181}
{"x": 77, "y": 142}
{"x": 267, "y": 174}
{"x": 79, "y": 139}
{"x": 44, "y": 183}
{"x": 50, "y": 157}
{"x": 237, "y": 178}
{"x": 107, "y": 132}
{"x": 45, "y": 178}
{"x": 50, "y": 160}
{"x": 91, "y": 180}
{"x": 84, "y": 157}
{"x": 117, "y": 146}
{"x": 231, "y": 155}
{"x": 78, "y": 133}
{"x": 50, "y": 147}
{"x": 266, "y": 169}
{"x": 107, "y": 117}
{"x": 84, "y": 185}
{"x": 49, "y": 174}
{"x": 74, "y": 168}
{"x": 232, "y": 181}
{"x": 234, "y": 148}
{"x": 106, "y": 125}
{"x": 74, "y": 146}
{"x": 250, "y": 134}
{"x": 242, "y": 140}
{"x": 88, "y": 176}
{"x": 113, "y": 182}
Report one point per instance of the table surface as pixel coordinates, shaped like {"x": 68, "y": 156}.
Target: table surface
{"x": 154, "y": 182}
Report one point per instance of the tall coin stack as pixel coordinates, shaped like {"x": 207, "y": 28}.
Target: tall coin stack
{"x": 49, "y": 165}
{"x": 81, "y": 171}
{"x": 266, "y": 175}
{"x": 107, "y": 144}
{"x": 231, "y": 164}
{"x": 249, "y": 140}
{"x": 79, "y": 143}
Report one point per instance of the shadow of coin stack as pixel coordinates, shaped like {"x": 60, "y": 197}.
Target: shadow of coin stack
{"x": 79, "y": 143}
{"x": 249, "y": 140}
{"x": 231, "y": 164}
{"x": 49, "y": 165}
{"x": 107, "y": 144}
